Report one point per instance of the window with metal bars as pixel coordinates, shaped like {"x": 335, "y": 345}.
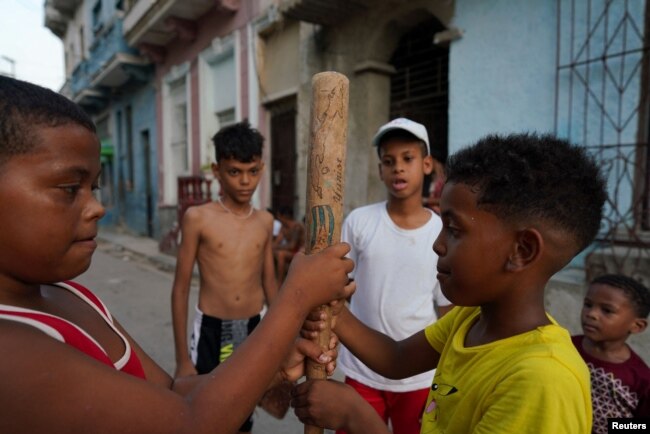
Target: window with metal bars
{"x": 419, "y": 87}
{"x": 602, "y": 102}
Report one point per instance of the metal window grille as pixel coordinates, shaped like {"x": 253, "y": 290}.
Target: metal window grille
{"x": 420, "y": 85}
{"x": 602, "y": 102}
{"x": 419, "y": 89}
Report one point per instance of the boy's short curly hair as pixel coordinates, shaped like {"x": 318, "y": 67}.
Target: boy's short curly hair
{"x": 528, "y": 177}
{"x": 636, "y": 292}
{"x": 239, "y": 141}
{"x": 24, "y": 106}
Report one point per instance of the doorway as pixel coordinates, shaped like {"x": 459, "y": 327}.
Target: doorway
{"x": 419, "y": 90}
{"x": 146, "y": 161}
{"x": 283, "y": 154}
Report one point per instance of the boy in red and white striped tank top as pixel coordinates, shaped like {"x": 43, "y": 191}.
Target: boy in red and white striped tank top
{"x": 68, "y": 366}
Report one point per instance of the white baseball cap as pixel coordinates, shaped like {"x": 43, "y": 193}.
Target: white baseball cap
{"x": 418, "y": 130}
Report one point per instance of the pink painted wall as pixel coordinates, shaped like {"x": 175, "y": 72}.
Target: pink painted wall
{"x": 243, "y": 68}
{"x": 215, "y": 23}
{"x": 195, "y": 122}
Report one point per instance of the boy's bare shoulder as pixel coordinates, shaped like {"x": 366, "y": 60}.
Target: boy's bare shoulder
{"x": 264, "y": 215}
{"x": 17, "y": 335}
{"x": 198, "y": 213}
{"x": 262, "y": 218}
{"x": 204, "y": 207}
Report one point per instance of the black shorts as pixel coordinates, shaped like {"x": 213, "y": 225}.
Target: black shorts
{"x": 214, "y": 340}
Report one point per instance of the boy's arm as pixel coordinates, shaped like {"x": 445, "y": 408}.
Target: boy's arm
{"x": 59, "y": 380}
{"x": 291, "y": 370}
{"x": 181, "y": 289}
{"x": 278, "y": 240}
{"x": 296, "y": 235}
{"x": 334, "y": 405}
{"x": 390, "y": 358}
{"x": 269, "y": 279}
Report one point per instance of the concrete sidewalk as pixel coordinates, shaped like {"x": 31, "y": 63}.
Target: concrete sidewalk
{"x": 143, "y": 248}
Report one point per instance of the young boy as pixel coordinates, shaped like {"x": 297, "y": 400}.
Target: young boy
{"x": 515, "y": 210}
{"x": 232, "y": 244}
{"x": 67, "y": 365}
{"x": 290, "y": 241}
{"x": 397, "y": 290}
{"x": 437, "y": 182}
{"x": 615, "y": 307}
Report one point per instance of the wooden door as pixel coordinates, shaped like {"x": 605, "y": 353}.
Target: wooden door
{"x": 283, "y": 155}
{"x": 419, "y": 87}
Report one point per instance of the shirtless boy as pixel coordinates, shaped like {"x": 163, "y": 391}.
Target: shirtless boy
{"x": 232, "y": 244}
{"x": 289, "y": 242}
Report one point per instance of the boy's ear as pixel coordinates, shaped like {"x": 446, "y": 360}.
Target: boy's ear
{"x": 427, "y": 165}
{"x": 639, "y": 325}
{"x": 528, "y": 247}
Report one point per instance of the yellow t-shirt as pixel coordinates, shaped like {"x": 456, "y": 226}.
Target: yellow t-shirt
{"x": 535, "y": 382}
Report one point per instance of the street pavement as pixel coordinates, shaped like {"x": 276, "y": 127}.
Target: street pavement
{"x": 134, "y": 280}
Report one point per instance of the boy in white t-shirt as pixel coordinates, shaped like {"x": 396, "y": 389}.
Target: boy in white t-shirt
{"x": 397, "y": 290}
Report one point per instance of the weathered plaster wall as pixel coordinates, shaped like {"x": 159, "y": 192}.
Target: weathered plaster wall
{"x": 502, "y": 71}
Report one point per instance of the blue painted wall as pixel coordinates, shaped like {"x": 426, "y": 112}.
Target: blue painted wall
{"x": 502, "y": 71}
{"x": 107, "y": 41}
{"x": 129, "y": 196}
{"x": 133, "y": 207}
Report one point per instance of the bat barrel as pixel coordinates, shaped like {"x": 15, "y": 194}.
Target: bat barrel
{"x": 325, "y": 180}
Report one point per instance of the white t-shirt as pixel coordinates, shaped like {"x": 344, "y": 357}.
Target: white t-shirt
{"x": 395, "y": 273}
{"x": 277, "y": 227}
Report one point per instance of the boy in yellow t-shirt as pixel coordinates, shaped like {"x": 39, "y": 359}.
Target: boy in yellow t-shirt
{"x": 515, "y": 210}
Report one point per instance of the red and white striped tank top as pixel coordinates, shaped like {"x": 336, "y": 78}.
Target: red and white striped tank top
{"x": 71, "y": 334}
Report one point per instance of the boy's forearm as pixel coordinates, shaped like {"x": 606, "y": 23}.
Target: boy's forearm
{"x": 180, "y": 298}
{"x": 384, "y": 355}
{"x": 255, "y": 364}
{"x": 270, "y": 290}
{"x": 269, "y": 279}
{"x": 180, "y": 302}
{"x": 365, "y": 419}
{"x": 373, "y": 348}
{"x": 270, "y": 285}
{"x": 379, "y": 352}
{"x": 231, "y": 391}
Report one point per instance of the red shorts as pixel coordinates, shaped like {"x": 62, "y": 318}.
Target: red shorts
{"x": 404, "y": 409}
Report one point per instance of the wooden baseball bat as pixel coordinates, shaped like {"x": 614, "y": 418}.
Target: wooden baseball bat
{"x": 325, "y": 181}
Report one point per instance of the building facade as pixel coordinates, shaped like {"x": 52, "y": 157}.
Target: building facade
{"x": 467, "y": 68}
{"x": 114, "y": 84}
{"x": 204, "y": 76}
{"x": 464, "y": 68}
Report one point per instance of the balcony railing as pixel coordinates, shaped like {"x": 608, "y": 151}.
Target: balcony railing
{"x": 192, "y": 190}
{"x": 111, "y": 63}
{"x": 148, "y": 21}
